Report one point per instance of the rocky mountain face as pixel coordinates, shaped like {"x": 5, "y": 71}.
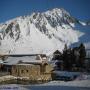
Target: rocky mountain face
{"x": 39, "y": 32}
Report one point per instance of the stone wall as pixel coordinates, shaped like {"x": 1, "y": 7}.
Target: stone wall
{"x": 32, "y": 71}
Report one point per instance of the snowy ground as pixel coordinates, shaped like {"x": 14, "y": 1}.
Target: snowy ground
{"x": 82, "y": 83}
{"x": 12, "y": 87}
{"x": 53, "y": 85}
{"x": 75, "y": 85}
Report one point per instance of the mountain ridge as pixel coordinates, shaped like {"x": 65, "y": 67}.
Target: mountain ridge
{"x": 39, "y": 32}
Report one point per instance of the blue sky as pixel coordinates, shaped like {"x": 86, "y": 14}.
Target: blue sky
{"x": 12, "y": 8}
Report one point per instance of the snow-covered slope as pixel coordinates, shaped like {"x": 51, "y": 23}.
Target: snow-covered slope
{"x": 38, "y": 32}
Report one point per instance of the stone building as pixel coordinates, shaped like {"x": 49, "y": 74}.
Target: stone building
{"x": 33, "y": 67}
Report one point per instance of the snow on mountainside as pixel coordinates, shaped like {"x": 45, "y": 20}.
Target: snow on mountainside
{"x": 38, "y": 32}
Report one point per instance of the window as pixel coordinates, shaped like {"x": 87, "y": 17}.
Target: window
{"x": 16, "y": 70}
{"x": 22, "y": 71}
{"x": 26, "y": 70}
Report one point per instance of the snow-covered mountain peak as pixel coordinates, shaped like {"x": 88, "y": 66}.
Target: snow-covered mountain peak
{"x": 38, "y": 33}
{"x": 55, "y": 17}
{"x": 57, "y": 11}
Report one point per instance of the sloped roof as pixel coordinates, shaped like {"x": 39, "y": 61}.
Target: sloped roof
{"x": 57, "y": 52}
{"x": 23, "y": 59}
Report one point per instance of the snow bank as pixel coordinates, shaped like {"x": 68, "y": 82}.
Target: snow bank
{"x": 12, "y": 87}
{"x": 81, "y": 83}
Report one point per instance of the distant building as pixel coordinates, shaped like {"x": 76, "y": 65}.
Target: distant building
{"x": 34, "y": 67}
{"x": 87, "y": 53}
{"x": 57, "y": 57}
{"x": 87, "y": 60}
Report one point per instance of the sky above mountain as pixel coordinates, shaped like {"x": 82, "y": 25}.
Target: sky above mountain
{"x": 13, "y": 8}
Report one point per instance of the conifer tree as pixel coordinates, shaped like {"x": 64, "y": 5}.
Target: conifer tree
{"x": 82, "y": 54}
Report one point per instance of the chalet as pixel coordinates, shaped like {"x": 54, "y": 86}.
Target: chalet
{"x": 34, "y": 67}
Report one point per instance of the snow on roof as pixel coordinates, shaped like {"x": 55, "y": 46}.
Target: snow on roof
{"x": 25, "y": 64}
{"x": 22, "y": 59}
